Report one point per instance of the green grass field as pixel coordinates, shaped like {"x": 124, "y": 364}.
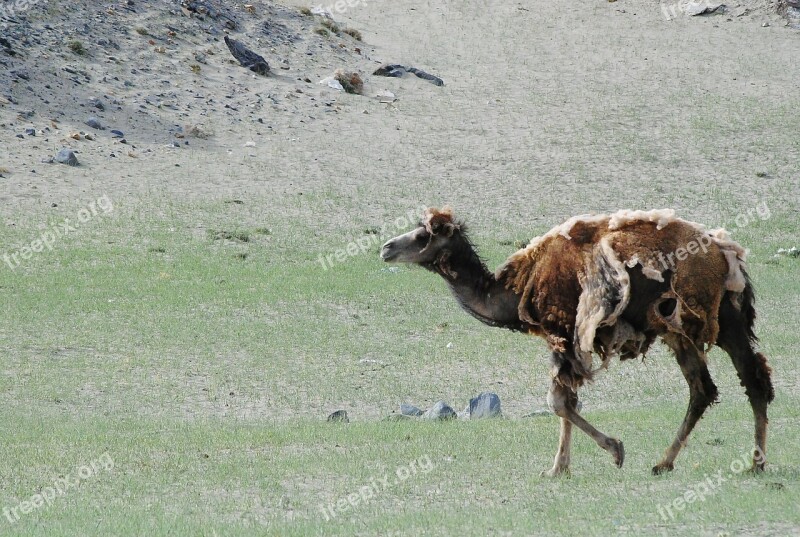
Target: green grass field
{"x": 196, "y": 373}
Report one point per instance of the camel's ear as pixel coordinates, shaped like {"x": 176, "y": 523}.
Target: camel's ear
{"x": 439, "y": 222}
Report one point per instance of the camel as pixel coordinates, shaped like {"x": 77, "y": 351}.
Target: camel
{"x": 609, "y": 285}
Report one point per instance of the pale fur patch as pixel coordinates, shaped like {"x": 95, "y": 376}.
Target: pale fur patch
{"x": 661, "y": 217}
{"x": 592, "y": 312}
{"x": 736, "y": 256}
{"x": 648, "y": 267}
{"x": 565, "y": 228}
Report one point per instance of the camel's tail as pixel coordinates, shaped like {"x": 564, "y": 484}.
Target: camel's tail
{"x": 748, "y": 308}
{"x": 759, "y": 364}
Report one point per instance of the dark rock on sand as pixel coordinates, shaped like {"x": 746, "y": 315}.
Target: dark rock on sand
{"x": 398, "y": 71}
{"x": 66, "y": 156}
{"x": 247, "y": 57}
{"x": 339, "y": 416}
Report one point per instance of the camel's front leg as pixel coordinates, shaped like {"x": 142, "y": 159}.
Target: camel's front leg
{"x": 561, "y": 464}
{"x": 563, "y": 402}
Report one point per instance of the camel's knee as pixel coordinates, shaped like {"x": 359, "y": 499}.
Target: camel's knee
{"x": 561, "y": 400}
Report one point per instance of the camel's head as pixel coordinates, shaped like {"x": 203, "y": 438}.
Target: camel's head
{"x": 432, "y": 241}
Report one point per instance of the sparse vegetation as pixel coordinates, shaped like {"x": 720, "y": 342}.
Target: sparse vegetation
{"x": 305, "y": 11}
{"x": 321, "y": 31}
{"x": 237, "y": 236}
{"x": 350, "y": 81}
{"x": 331, "y": 25}
{"x": 355, "y": 34}
{"x": 77, "y": 47}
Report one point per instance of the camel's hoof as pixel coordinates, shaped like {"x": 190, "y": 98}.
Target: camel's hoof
{"x": 662, "y": 468}
{"x": 562, "y": 471}
{"x": 758, "y": 467}
{"x": 617, "y": 451}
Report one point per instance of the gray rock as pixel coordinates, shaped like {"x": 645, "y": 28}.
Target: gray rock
{"x": 339, "y": 416}
{"x": 30, "y": 132}
{"x": 94, "y": 123}
{"x": 117, "y": 134}
{"x": 96, "y": 103}
{"x": 440, "y": 411}
{"x": 66, "y": 156}
{"x": 410, "y": 410}
{"x": 485, "y": 405}
{"x": 398, "y": 71}
{"x": 246, "y": 57}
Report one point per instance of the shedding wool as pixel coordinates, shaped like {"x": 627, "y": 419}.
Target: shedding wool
{"x": 576, "y": 282}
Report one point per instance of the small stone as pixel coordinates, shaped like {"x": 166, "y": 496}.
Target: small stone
{"x": 410, "y": 410}
{"x": 94, "y": 123}
{"x": 339, "y": 416}
{"x": 21, "y": 136}
{"x": 117, "y": 134}
{"x": 66, "y": 156}
{"x": 485, "y": 405}
{"x": 30, "y": 132}
{"x": 440, "y": 411}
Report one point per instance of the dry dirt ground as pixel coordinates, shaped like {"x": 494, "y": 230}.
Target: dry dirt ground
{"x": 543, "y": 104}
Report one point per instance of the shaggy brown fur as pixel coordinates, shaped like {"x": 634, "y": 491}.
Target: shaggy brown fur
{"x": 608, "y": 285}
{"x": 574, "y": 281}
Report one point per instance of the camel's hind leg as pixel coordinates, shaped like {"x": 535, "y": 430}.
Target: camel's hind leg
{"x": 735, "y": 338}
{"x": 702, "y": 392}
{"x": 563, "y": 401}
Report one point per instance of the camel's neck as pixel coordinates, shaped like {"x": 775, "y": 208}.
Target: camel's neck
{"x": 477, "y": 289}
